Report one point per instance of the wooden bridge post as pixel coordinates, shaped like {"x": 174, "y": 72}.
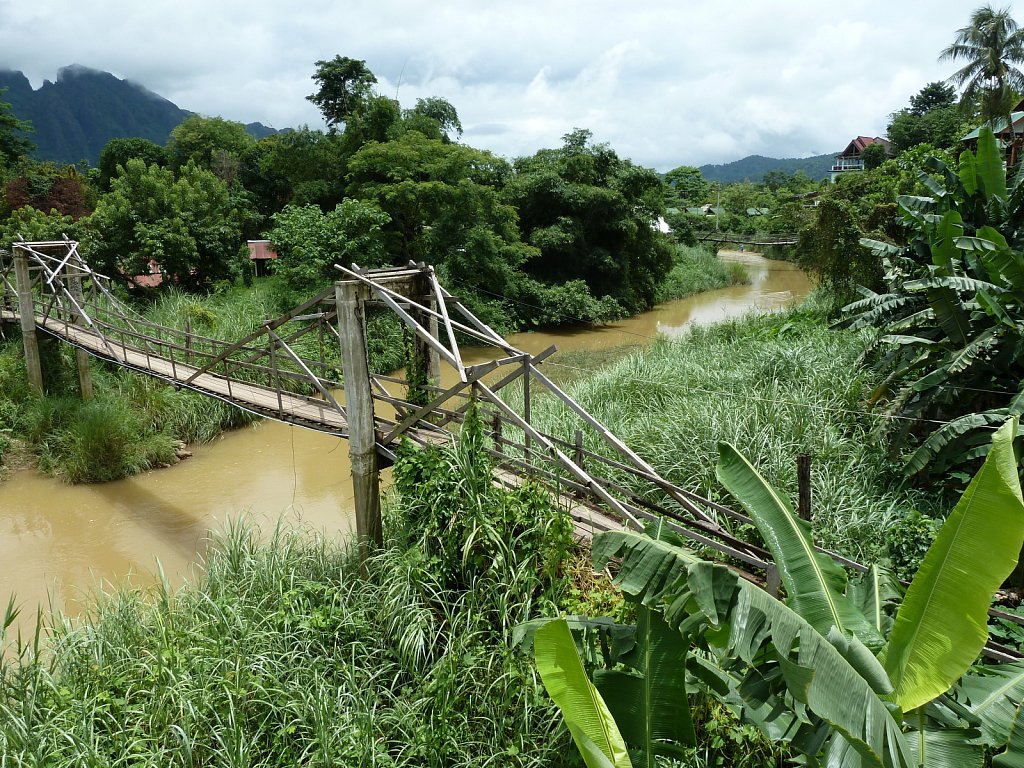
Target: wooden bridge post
{"x": 27, "y": 311}
{"x": 362, "y": 442}
{"x": 424, "y": 365}
{"x": 81, "y": 356}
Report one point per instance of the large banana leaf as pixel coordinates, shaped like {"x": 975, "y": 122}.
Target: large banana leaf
{"x": 945, "y": 748}
{"x": 651, "y": 708}
{"x": 941, "y": 626}
{"x": 947, "y": 434}
{"x": 943, "y": 245}
{"x": 991, "y": 173}
{"x": 969, "y": 173}
{"x": 872, "y": 592}
{"x": 950, "y": 314}
{"x": 589, "y": 721}
{"x": 994, "y": 694}
{"x": 815, "y": 584}
{"x": 741, "y": 620}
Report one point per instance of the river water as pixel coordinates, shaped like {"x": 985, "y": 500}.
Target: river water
{"x": 59, "y": 543}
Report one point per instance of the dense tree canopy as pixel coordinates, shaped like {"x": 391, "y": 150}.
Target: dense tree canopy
{"x": 444, "y": 207}
{"x": 592, "y": 216}
{"x": 187, "y": 225}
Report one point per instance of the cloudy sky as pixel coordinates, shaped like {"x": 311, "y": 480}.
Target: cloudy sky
{"x": 666, "y": 83}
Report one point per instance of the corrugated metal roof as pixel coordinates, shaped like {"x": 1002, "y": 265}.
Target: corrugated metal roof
{"x": 260, "y": 249}
{"x": 999, "y": 126}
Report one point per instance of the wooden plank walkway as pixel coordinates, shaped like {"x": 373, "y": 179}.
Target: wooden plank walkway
{"x": 292, "y": 408}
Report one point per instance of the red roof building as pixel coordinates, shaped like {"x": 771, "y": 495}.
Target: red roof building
{"x": 850, "y": 158}
{"x": 261, "y": 255}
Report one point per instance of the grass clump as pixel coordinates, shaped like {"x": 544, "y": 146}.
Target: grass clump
{"x": 696, "y": 270}
{"x": 101, "y": 440}
{"x": 775, "y": 386}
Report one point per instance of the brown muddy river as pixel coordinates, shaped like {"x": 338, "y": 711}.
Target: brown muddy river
{"x": 58, "y": 543}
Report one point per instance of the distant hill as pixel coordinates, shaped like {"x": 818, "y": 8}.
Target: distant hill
{"x": 78, "y": 114}
{"x": 753, "y": 168}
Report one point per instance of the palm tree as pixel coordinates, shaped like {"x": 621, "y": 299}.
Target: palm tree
{"x": 991, "y": 45}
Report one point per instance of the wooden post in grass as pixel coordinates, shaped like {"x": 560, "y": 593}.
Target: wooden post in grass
{"x": 362, "y": 442}
{"x": 27, "y": 311}
{"x": 803, "y": 481}
{"x": 81, "y": 356}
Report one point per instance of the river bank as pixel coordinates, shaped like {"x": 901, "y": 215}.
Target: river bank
{"x": 60, "y": 541}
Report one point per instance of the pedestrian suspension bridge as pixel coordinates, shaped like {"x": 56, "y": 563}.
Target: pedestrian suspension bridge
{"x": 735, "y": 238}
{"x": 287, "y": 370}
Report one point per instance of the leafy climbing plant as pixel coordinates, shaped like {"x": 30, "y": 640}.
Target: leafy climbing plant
{"x": 950, "y": 325}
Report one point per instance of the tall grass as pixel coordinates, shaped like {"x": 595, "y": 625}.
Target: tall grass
{"x": 696, "y": 270}
{"x": 775, "y": 386}
{"x": 291, "y": 652}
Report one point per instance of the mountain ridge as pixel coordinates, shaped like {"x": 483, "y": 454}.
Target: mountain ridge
{"x": 754, "y": 167}
{"x": 75, "y": 115}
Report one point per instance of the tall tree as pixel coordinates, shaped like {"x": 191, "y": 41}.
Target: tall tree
{"x": 188, "y": 225}
{"x": 345, "y": 86}
{"x": 212, "y": 143}
{"x": 13, "y": 144}
{"x": 435, "y": 118}
{"x": 992, "y": 46}
{"x": 933, "y": 96}
{"x": 119, "y": 151}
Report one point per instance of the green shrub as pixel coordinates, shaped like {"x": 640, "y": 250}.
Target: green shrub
{"x": 907, "y": 540}
{"x": 104, "y": 440}
{"x": 469, "y": 530}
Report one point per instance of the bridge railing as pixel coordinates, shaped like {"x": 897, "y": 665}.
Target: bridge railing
{"x": 81, "y": 306}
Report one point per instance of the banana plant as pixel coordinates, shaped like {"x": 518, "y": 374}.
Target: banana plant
{"x": 640, "y": 672}
{"x": 586, "y": 714}
{"x": 842, "y": 693}
{"x": 951, "y": 324}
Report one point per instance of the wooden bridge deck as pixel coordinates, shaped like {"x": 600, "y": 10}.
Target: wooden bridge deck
{"x": 275, "y": 404}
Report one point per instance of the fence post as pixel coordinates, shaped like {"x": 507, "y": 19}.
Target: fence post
{"x": 27, "y": 311}
{"x": 803, "y": 480}
{"x": 527, "y": 416}
{"x": 496, "y": 432}
{"x": 362, "y": 442}
{"x": 578, "y": 458}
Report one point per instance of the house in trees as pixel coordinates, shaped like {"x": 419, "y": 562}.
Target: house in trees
{"x": 1012, "y": 141}
{"x": 852, "y": 158}
{"x": 260, "y": 253}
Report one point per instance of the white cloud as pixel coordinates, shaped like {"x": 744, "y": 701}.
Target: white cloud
{"x": 665, "y": 83}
